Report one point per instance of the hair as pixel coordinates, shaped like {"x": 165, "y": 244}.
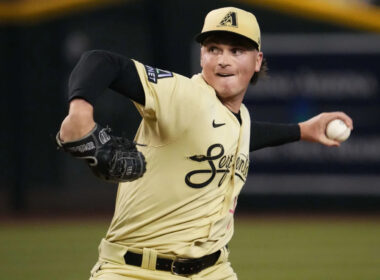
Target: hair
{"x": 261, "y": 74}
{"x": 229, "y": 38}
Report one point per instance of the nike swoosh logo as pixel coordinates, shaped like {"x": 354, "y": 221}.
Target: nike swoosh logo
{"x": 217, "y": 124}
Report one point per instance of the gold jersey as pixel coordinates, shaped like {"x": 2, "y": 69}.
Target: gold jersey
{"x": 197, "y": 156}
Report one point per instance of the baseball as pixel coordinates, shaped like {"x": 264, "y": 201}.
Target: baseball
{"x": 338, "y": 130}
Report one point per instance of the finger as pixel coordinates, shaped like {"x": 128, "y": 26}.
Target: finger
{"x": 330, "y": 142}
{"x": 348, "y": 121}
{"x": 344, "y": 117}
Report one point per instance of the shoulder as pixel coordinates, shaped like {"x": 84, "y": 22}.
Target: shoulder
{"x": 158, "y": 78}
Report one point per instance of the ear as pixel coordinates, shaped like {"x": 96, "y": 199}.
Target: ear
{"x": 259, "y": 60}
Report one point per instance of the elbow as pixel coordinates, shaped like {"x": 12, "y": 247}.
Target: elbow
{"x": 99, "y": 58}
{"x": 92, "y": 54}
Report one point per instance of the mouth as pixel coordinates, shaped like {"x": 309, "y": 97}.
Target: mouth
{"x": 224, "y": 75}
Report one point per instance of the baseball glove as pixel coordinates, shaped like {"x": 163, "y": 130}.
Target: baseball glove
{"x": 113, "y": 159}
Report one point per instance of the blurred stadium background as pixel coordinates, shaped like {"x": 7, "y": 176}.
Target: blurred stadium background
{"x": 322, "y": 55}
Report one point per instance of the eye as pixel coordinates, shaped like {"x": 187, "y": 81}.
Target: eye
{"x": 213, "y": 49}
{"x": 237, "y": 51}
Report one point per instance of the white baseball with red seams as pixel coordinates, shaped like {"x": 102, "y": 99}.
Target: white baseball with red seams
{"x": 338, "y": 130}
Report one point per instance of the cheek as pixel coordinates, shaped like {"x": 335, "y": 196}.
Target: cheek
{"x": 247, "y": 72}
{"x": 205, "y": 59}
{"x": 207, "y": 66}
{"x": 202, "y": 61}
{"x": 251, "y": 72}
{"x": 250, "y": 67}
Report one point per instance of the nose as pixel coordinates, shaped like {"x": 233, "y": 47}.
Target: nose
{"x": 223, "y": 60}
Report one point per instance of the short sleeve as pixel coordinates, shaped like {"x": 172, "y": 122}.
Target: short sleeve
{"x": 171, "y": 100}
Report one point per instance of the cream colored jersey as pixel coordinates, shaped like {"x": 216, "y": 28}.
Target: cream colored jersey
{"x": 197, "y": 156}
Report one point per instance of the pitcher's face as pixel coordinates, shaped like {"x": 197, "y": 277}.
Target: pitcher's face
{"x": 229, "y": 68}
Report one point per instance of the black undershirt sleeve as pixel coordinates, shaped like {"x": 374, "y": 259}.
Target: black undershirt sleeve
{"x": 264, "y": 134}
{"x": 98, "y": 70}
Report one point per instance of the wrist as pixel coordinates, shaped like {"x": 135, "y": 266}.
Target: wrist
{"x": 80, "y": 107}
{"x": 78, "y": 122}
{"x": 307, "y": 131}
{"x": 302, "y": 130}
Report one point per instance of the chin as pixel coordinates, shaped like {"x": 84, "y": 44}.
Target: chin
{"x": 225, "y": 93}
{"x": 227, "y": 90}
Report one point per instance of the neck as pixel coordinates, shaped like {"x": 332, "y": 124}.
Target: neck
{"x": 233, "y": 104}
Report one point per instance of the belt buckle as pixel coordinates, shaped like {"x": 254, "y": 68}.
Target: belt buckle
{"x": 180, "y": 260}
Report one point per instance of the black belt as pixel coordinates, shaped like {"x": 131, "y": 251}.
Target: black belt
{"x": 178, "y": 266}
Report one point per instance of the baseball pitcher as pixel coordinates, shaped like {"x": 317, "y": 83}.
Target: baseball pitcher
{"x": 179, "y": 186}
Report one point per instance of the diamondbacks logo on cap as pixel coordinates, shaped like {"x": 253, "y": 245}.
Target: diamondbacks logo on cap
{"x": 229, "y": 20}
